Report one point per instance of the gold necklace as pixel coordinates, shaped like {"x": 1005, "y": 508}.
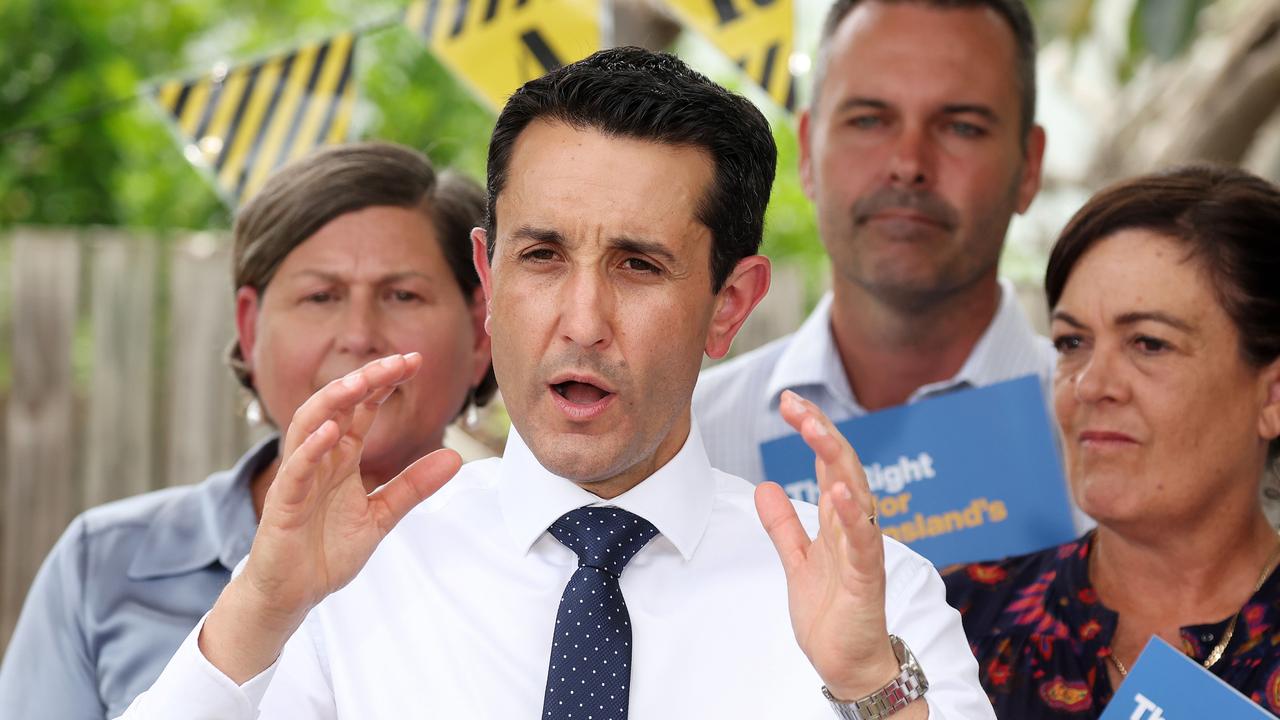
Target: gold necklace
{"x": 1221, "y": 648}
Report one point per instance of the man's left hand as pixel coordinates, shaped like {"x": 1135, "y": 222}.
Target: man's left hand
{"x": 836, "y": 582}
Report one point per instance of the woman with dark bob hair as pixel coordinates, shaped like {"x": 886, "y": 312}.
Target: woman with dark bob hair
{"x": 1164, "y": 293}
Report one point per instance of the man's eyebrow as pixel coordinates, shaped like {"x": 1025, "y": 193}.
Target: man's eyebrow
{"x": 1131, "y": 318}
{"x": 537, "y": 234}
{"x": 643, "y": 247}
{"x": 971, "y": 109}
{"x": 856, "y": 102}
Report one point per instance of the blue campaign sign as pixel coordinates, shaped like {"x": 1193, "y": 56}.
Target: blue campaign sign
{"x": 971, "y": 475}
{"x": 1166, "y": 685}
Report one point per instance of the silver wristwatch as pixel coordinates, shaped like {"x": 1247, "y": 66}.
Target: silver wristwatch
{"x": 909, "y": 685}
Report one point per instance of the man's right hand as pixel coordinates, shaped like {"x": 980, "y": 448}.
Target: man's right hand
{"x": 318, "y": 526}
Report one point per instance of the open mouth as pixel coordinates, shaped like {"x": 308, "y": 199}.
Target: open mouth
{"x": 580, "y": 393}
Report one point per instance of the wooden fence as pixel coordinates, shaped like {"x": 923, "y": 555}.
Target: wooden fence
{"x": 115, "y": 384}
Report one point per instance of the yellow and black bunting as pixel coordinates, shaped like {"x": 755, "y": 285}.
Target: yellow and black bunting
{"x": 244, "y": 122}
{"x": 756, "y": 34}
{"x": 496, "y": 46}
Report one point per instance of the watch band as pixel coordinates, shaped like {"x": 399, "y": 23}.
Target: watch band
{"x": 908, "y": 686}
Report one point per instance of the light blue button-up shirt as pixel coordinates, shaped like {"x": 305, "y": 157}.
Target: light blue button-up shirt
{"x": 121, "y": 590}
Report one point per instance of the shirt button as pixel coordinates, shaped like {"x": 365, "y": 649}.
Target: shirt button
{"x": 1206, "y": 637}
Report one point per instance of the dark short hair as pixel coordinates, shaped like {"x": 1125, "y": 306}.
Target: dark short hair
{"x": 1229, "y": 221}
{"x": 1014, "y": 13}
{"x": 630, "y": 92}
{"x": 307, "y": 194}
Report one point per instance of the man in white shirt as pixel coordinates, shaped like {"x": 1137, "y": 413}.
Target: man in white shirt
{"x": 917, "y": 148}
{"x": 626, "y": 203}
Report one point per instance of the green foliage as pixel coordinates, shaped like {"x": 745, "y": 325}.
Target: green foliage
{"x": 1062, "y": 18}
{"x": 1158, "y": 29}
{"x": 791, "y": 231}
{"x": 91, "y": 159}
{"x": 411, "y": 98}
{"x": 70, "y": 70}
{"x": 1162, "y": 29}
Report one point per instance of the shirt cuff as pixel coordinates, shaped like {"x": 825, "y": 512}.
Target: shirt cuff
{"x": 191, "y": 687}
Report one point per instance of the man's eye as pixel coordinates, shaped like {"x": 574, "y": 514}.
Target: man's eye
{"x": 966, "y": 129}
{"x": 320, "y": 297}
{"x": 405, "y": 296}
{"x": 864, "y": 122}
{"x": 641, "y": 265}
{"x": 539, "y": 255}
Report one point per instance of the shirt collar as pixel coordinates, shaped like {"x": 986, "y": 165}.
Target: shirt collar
{"x": 1010, "y": 336}
{"x": 677, "y": 498}
{"x": 215, "y": 522}
{"x": 811, "y": 358}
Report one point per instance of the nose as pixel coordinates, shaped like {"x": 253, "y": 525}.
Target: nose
{"x": 911, "y": 164}
{"x": 1099, "y": 378}
{"x": 586, "y": 309}
{"x": 359, "y": 331}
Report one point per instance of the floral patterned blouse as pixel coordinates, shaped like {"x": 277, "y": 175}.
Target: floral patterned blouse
{"x": 1042, "y": 637}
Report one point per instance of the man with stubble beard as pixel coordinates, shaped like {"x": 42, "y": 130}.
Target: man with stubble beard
{"x": 918, "y": 147}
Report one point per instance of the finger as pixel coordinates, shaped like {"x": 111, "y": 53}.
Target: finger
{"x": 837, "y": 460}
{"x": 416, "y": 483}
{"x": 860, "y": 530}
{"x": 338, "y": 399}
{"x": 342, "y": 393}
{"x": 293, "y": 481}
{"x": 780, "y": 521}
{"x": 366, "y": 411}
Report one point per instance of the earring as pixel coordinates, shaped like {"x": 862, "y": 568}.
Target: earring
{"x": 253, "y": 412}
{"x": 472, "y": 420}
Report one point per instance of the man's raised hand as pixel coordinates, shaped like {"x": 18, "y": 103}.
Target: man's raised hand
{"x": 835, "y": 582}
{"x": 319, "y": 525}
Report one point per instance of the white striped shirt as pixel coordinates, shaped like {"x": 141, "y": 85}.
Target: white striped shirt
{"x": 736, "y": 402}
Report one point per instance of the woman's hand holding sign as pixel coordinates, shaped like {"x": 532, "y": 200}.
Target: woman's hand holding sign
{"x": 835, "y": 582}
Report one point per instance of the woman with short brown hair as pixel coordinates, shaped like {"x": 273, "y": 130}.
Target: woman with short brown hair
{"x": 1165, "y": 302}
{"x": 350, "y": 254}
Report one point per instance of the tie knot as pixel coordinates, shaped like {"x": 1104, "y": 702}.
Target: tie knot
{"x": 605, "y": 538}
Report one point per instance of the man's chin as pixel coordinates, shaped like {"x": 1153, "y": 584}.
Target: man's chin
{"x": 575, "y": 458}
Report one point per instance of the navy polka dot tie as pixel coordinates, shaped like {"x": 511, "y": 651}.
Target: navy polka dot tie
{"x": 590, "y": 673}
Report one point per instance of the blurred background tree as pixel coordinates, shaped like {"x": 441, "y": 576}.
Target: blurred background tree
{"x": 93, "y": 159}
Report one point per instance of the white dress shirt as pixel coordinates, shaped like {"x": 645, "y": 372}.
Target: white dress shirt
{"x": 736, "y": 402}
{"x": 453, "y": 615}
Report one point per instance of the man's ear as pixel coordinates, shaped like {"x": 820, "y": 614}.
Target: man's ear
{"x": 806, "y": 153}
{"x": 481, "y": 358}
{"x": 742, "y": 291}
{"x": 1269, "y": 418}
{"x": 1032, "y": 162}
{"x": 480, "y": 257}
{"x": 247, "y": 303}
